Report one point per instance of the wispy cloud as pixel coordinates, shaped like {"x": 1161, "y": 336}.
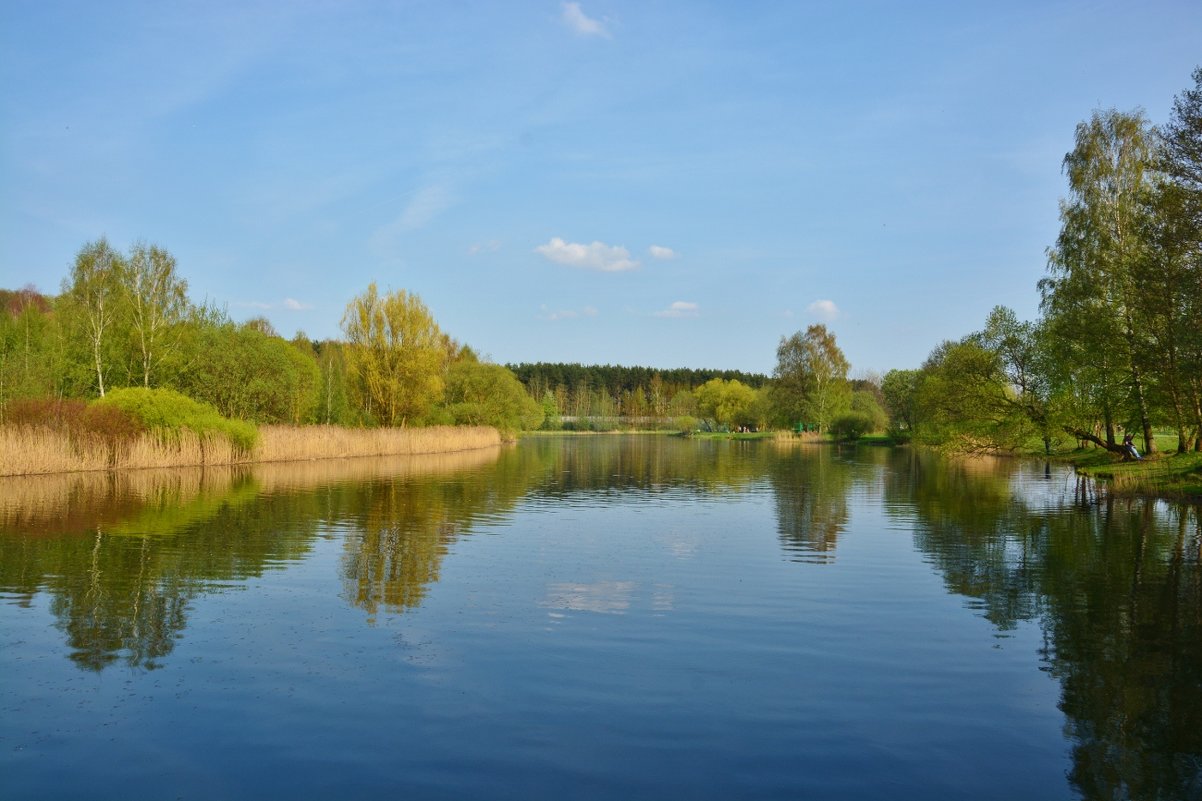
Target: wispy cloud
{"x": 823, "y": 309}
{"x": 662, "y": 253}
{"x": 566, "y": 314}
{"x": 582, "y": 24}
{"x": 425, "y": 204}
{"x": 491, "y": 246}
{"x": 422, "y": 207}
{"x": 681, "y": 308}
{"x": 291, "y": 304}
{"x": 597, "y": 256}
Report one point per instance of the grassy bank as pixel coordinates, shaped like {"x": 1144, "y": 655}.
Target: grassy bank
{"x": 1172, "y": 475}
{"x": 30, "y": 450}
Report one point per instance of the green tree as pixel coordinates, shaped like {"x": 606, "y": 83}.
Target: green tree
{"x": 726, "y": 402}
{"x": 550, "y": 407}
{"x": 157, "y": 300}
{"x": 811, "y": 377}
{"x": 484, "y": 394}
{"x": 249, "y": 375}
{"x": 94, "y": 295}
{"x": 395, "y": 353}
{"x": 1090, "y": 290}
{"x": 864, "y": 403}
{"x": 1177, "y": 323}
{"x": 30, "y": 347}
{"x": 900, "y": 388}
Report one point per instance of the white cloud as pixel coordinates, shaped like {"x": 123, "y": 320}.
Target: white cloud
{"x": 296, "y": 305}
{"x": 823, "y": 309}
{"x": 567, "y": 314}
{"x": 597, "y": 256}
{"x": 663, "y": 253}
{"x": 681, "y": 308}
{"x": 575, "y": 18}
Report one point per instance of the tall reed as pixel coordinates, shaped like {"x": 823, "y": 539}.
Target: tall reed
{"x": 292, "y": 443}
{"x": 35, "y": 450}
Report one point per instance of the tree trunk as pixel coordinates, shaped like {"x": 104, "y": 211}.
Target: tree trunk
{"x": 1081, "y": 433}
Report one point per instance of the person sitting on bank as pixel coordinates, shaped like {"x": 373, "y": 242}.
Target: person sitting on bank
{"x": 1129, "y": 444}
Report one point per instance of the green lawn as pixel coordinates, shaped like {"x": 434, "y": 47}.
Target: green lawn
{"x": 1165, "y": 473}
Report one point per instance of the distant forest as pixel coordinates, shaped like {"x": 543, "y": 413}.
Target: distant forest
{"x": 612, "y": 390}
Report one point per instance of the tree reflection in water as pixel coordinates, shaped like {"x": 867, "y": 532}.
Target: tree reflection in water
{"x": 810, "y": 487}
{"x": 121, "y": 577}
{"x": 1117, "y": 589}
{"x": 1115, "y": 585}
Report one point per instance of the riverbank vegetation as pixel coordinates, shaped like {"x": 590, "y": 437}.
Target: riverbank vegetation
{"x": 1118, "y": 346}
{"x": 144, "y": 428}
{"x": 1116, "y": 350}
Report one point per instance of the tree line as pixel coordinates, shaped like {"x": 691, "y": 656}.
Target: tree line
{"x": 577, "y": 390}
{"x": 1118, "y": 344}
{"x": 125, "y": 319}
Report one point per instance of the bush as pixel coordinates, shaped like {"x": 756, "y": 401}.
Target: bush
{"x": 851, "y": 426}
{"x": 74, "y": 418}
{"x": 685, "y": 424}
{"x": 166, "y": 412}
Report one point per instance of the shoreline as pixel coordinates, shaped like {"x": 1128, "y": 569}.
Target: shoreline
{"x": 40, "y": 452}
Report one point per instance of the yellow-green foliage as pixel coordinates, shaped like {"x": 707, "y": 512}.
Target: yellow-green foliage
{"x": 166, "y": 412}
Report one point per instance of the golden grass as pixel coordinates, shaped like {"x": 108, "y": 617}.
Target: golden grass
{"x": 36, "y": 451}
{"x": 39, "y": 451}
{"x": 294, "y": 443}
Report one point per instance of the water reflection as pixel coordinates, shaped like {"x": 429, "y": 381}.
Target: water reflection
{"x": 1115, "y": 586}
{"x": 401, "y": 526}
{"x": 811, "y": 491}
{"x": 1117, "y": 589}
{"x": 123, "y": 555}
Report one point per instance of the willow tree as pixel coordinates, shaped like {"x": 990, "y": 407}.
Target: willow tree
{"x": 1089, "y": 295}
{"x": 395, "y": 354}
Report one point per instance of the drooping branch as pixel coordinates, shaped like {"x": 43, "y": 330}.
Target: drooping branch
{"x": 1081, "y": 433}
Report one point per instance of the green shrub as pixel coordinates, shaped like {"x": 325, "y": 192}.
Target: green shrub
{"x": 851, "y": 425}
{"x": 166, "y": 412}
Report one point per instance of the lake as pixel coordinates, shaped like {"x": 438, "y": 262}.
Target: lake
{"x": 608, "y": 617}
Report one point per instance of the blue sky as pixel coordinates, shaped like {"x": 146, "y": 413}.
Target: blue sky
{"x": 660, "y": 183}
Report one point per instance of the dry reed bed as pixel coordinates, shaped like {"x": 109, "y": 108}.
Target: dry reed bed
{"x": 39, "y": 451}
{"x": 291, "y": 443}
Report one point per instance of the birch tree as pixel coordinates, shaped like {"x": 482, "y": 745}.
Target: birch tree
{"x": 94, "y": 290}
{"x": 1090, "y": 292}
{"x": 158, "y": 303}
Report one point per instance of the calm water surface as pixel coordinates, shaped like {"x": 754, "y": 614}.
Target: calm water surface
{"x": 608, "y": 617}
